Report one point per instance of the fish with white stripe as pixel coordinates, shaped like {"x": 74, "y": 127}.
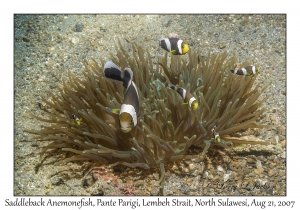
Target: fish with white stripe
{"x": 187, "y": 97}
{"x": 174, "y": 45}
{"x": 130, "y": 106}
{"x": 76, "y": 120}
{"x": 216, "y": 135}
{"x": 247, "y": 71}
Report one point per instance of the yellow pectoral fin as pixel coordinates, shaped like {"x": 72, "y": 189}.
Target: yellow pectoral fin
{"x": 185, "y": 103}
{"x": 114, "y": 111}
{"x": 173, "y": 52}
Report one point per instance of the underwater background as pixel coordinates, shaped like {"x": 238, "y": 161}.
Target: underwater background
{"x": 47, "y": 46}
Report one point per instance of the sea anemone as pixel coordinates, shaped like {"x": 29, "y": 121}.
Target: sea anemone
{"x": 166, "y": 127}
{"x": 227, "y": 101}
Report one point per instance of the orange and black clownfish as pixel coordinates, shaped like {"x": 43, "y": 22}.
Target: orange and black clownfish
{"x": 130, "y": 106}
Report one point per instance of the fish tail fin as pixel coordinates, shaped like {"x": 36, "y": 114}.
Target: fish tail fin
{"x": 79, "y": 121}
{"x": 172, "y": 86}
{"x": 112, "y": 71}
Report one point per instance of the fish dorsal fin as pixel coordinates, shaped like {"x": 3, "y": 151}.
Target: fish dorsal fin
{"x": 132, "y": 97}
{"x": 128, "y": 76}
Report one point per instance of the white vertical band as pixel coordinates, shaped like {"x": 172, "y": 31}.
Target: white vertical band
{"x": 253, "y": 69}
{"x": 168, "y": 43}
{"x": 179, "y": 42}
{"x": 183, "y": 93}
{"x": 130, "y": 110}
{"x": 244, "y": 71}
{"x": 191, "y": 101}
